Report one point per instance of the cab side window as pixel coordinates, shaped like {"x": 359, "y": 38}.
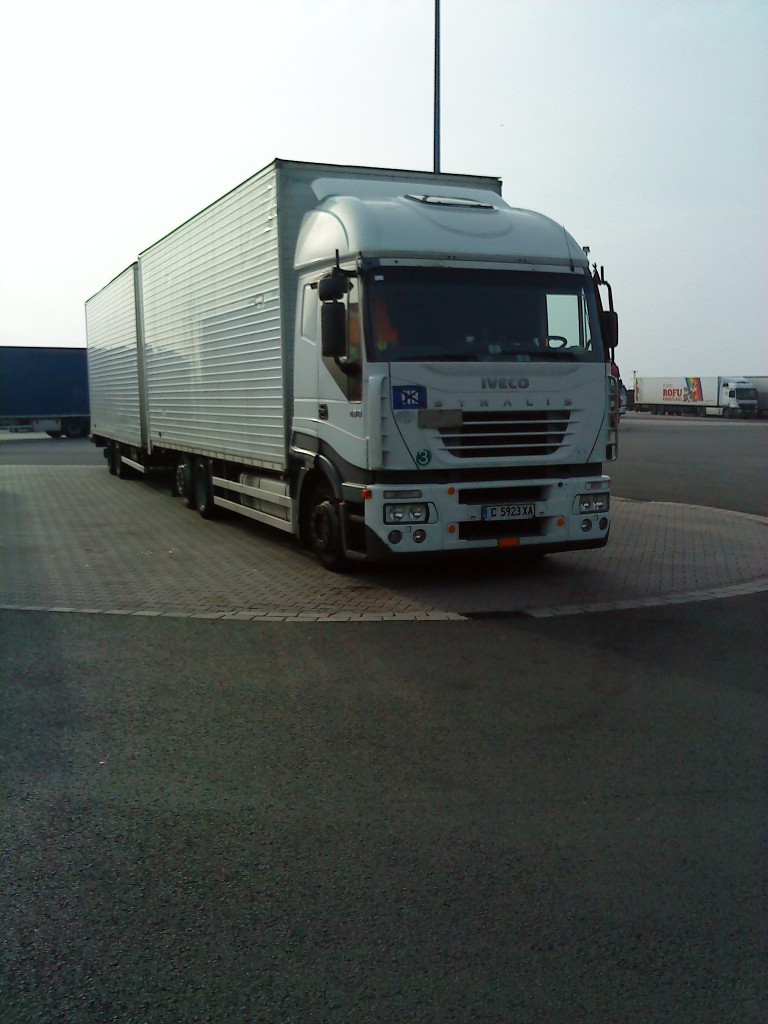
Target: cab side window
{"x": 309, "y": 313}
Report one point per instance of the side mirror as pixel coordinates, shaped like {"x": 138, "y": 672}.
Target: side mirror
{"x": 610, "y": 326}
{"x": 333, "y": 288}
{"x": 333, "y": 327}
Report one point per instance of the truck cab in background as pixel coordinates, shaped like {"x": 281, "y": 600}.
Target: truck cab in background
{"x": 738, "y": 397}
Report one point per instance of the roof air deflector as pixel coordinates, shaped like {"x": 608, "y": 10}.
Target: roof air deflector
{"x": 454, "y": 202}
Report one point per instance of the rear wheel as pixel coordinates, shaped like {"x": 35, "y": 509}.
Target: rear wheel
{"x": 121, "y": 469}
{"x": 325, "y": 528}
{"x": 181, "y": 483}
{"x": 74, "y": 428}
{"x": 202, "y": 486}
{"x": 115, "y": 462}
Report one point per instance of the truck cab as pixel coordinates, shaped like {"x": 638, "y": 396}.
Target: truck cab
{"x": 738, "y": 397}
{"x": 451, "y": 375}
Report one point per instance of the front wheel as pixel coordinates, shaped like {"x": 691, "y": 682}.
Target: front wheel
{"x": 325, "y": 528}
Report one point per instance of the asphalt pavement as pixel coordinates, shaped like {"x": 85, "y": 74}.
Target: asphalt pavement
{"x": 469, "y": 809}
{"x": 519, "y": 820}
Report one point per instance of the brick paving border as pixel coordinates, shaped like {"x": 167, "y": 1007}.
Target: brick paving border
{"x": 75, "y": 539}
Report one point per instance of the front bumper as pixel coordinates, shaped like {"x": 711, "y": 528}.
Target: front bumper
{"x": 455, "y": 519}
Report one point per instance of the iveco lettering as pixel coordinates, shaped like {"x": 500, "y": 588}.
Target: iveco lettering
{"x": 506, "y": 382}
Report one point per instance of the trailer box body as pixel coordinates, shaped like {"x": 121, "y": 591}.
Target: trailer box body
{"x": 676, "y": 391}
{"x": 44, "y": 389}
{"x": 114, "y": 353}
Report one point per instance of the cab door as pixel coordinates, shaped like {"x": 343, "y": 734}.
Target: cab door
{"x": 328, "y": 391}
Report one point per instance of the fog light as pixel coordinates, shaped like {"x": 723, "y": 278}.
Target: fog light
{"x": 395, "y": 536}
{"x": 419, "y": 536}
{"x": 603, "y": 524}
{"x": 586, "y": 525}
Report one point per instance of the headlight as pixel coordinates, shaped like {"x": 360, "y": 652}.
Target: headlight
{"x": 594, "y": 502}
{"x": 411, "y": 513}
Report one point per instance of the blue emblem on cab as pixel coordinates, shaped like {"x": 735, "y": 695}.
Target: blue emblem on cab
{"x": 409, "y": 396}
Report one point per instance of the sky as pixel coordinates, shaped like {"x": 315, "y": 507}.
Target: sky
{"x": 641, "y": 126}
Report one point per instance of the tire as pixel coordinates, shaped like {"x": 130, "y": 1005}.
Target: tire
{"x": 202, "y": 489}
{"x": 324, "y": 525}
{"x": 121, "y": 469}
{"x": 116, "y": 465}
{"x": 74, "y": 428}
{"x": 181, "y": 483}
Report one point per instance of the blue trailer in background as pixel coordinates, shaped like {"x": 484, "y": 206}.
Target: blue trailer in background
{"x": 44, "y": 389}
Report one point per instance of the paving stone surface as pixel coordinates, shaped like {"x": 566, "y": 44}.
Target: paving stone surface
{"x": 76, "y": 539}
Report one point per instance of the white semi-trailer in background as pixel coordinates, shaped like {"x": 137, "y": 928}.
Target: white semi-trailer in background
{"x": 696, "y": 396}
{"x": 379, "y": 362}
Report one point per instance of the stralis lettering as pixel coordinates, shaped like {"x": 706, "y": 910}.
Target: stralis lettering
{"x": 504, "y": 383}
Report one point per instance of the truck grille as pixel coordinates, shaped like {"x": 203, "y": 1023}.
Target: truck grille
{"x": 496, "y": 435}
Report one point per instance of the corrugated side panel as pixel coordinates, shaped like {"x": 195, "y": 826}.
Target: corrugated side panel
{"x": 113, "y": 371}
{"x": 212, "y": 330}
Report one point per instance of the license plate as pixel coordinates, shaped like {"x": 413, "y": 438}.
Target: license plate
{"x": 499, "y": 512}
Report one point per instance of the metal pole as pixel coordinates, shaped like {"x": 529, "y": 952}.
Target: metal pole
{"x": 437, "y": 86}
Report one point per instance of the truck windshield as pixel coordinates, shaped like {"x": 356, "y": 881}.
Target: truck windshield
{"x": 462, "y": 315}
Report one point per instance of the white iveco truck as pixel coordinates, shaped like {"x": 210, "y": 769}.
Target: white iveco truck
{"x": 379, "y": 362}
